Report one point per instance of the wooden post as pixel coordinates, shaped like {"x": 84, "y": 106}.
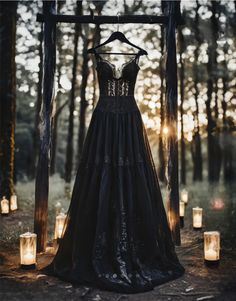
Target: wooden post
{"x": 42, "y": 176}
{"x": 182, "y": 77}
{"x": 161, "y": 148}
{"x": 172, "y": 9}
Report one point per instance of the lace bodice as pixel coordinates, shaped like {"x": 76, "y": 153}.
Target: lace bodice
{"x": 115, "y": 83}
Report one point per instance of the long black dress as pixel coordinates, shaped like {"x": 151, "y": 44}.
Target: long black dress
{"x": 116, "y": 235}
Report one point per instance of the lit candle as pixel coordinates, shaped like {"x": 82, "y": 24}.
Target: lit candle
{"x": 181, "y": 213}
{"x": 28, "y": 243}
{"x": 60, "y": 229}
{"x": 4, "y": 206}
{"x": 13, "y": 202}
{"x": 28, "y": 257}
{"x": 59, "y": 226}
{"x": 212, "y": 247}
{"x": 184, "y": 196}
{"x": 197, "y": 218}
{"x": 210, "y": 255}
{"x": 181, "y": 208}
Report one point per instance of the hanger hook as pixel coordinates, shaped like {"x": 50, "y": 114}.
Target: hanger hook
{"x": 118, "y": 16}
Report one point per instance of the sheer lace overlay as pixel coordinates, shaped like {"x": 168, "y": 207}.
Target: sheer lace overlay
{"x": 115, "y": 81}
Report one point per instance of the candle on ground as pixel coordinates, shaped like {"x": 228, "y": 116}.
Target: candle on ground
{"x": 28, "y": 245}
{"x": 13, "y": 202}
{"x": 59, "y": 226}
{"x": 184, "y": 196}
{"x": 197, "y": 218}
{"x": 212, "y": 248}
{"x": 4, "y": 206}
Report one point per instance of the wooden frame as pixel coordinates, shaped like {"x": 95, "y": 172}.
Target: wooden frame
{"x": 170, "y": 19}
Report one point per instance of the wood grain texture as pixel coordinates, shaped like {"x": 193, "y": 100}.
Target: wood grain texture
{"x": 42, "y": 176}
{"x": 172, "y": 10}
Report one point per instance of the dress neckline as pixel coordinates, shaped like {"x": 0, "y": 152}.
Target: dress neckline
{"x": 122, "y": 67}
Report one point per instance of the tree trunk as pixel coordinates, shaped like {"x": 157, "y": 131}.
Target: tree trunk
{"x": 55, "y": 119}
{"x": 227, "y": 136}
{"x": 227, "y": 128}
{"x": 96, "y": 41}
{"x": 7, "y": 95}
{"x": 196, "y": 143}
{"x": 161, "y": 168}
{"x": 55, "y": 122}
{"x": 182, "y": 74}
{"x": 218, "y": 152}
{"x": 42, "y": 177}
{"x": 85, "y": 72}
{"x": 210, "y": 123}
{"x": 83, "y": 102}
{"x": 212, "y": 141}
{"x": 215, "y": 30}
{"x": 172, "y": 9}
{"x": 70, "y": 135}
{"x": 36, "y": 136}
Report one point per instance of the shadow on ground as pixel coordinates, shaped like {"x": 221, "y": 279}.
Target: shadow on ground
{"x": 198, "y": 283}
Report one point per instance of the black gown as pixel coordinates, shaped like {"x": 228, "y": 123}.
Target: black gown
{"x": 116, "y": 235}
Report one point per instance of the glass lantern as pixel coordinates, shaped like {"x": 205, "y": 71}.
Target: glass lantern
{"x": 197, "y": 218}
{"x": 184, "y": 196}
{"x": 13, "y": 202}
{"x": 4, "y": 206}
{"x": 28, "y": 244}
{"x": 59, "y": 226}
{"x": 212, "y": 248}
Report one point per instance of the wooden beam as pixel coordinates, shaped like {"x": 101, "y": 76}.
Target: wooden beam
{"x": 42, "y": 175}
{"x": 85, "y": 19}
{"x": 172, "y": 9}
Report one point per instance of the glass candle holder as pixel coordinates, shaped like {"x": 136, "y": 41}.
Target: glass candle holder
{"x": 5, "y": 206}
{"x": 212, "y": 248}
{"x": 28, "y": 245}
{"x": 13, "y": 202}
{"x": 184, "y": 196}
{"x": 197, "y": 218}
{"x": 59, "y": 225}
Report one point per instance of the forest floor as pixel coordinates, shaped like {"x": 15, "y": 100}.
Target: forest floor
{"x": 198, "y": 283}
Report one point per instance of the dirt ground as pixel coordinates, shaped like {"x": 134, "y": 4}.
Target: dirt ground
{"x": 198, "y": 283}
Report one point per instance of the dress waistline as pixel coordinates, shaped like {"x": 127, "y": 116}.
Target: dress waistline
{"x": 122, "y": 104}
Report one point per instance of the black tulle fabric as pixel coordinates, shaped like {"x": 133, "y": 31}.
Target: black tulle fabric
{"x": 116, "y": 234}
